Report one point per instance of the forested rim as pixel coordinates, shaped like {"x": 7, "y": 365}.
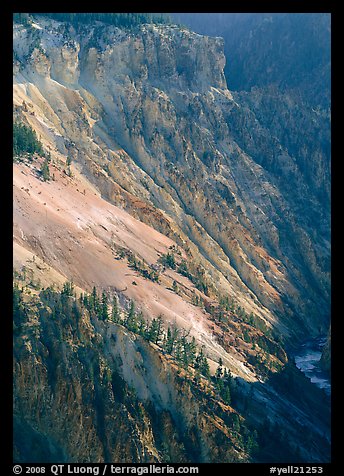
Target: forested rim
{"x": 121, "y": 20}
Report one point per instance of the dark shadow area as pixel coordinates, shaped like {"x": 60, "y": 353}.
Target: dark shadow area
{"x": 30, "y": 445}
{"x": 291, "y": 415}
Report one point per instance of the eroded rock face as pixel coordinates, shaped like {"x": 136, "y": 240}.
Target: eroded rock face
{"x": 99, "y": 393}
{"x": 160, "y": 95}
{"x": 147, "y": 117}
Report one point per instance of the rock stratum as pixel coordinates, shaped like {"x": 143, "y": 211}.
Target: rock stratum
{"x": 164, "y": 160}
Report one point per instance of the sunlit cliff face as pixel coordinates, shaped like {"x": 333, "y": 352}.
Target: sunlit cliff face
{"x": 163, "y": 159}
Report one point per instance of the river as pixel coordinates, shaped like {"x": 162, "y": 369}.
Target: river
{"x": 307, "y": 360}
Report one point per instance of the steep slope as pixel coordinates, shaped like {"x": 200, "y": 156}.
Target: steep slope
{"x": 166, "y": 125}
{"x": 290, "y": 51}
{"x": 278, "y": 67}
{"x": 176, "y": 198}
{"x": 115, "y": 395}
{"x": 69, "y": 228}
{"x": 100, "y": 392}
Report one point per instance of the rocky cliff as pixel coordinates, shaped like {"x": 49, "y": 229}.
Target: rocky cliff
{"x": 89, "y": 390}
{"x": 153, "y": 110}
{"x": 115, "y": 395}
{"x": 151, "y": 156}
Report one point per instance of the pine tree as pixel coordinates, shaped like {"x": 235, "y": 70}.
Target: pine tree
{"x": 204, "y": 369}
{"x": 220, "y": 386}
{"x": 120, "y": 20}
{"x": 22, "y": 18}
{"x": 226, "y": 395}
{"x": 178, "y": 351}
{"x": 141, "y": 324}
{"x": 169, "y": 342}
{"x": 168, "y": 260}
{"x": 172, "y": 336}
{"x": 94, "y": 301}
{"x": 25, "y": 140}
{"x": 130, "y": 314}
{"x": 131, "y": 321}
{"x": 251, "y": 444}
{"x": 104, "y": 308}
{"x": 155, "y": 330}
{"x": 18, "y": 309}
{"x": 236, "y": 422}
{"x": 183, "y": 269}
{"x": 68, "y": 288}
{"x": 219, "y": 370}
{"x": 159, "y": 332}
{"x": 185, "y": 354}
{"x": 45, "y": 172}
{"x": 86, "y": 301}
{"x": 202, "y": 364}
{"x": 69, "y": 172}
{"x": 227, "y": 378}
{"x": 115, "y": 312}
{"x": 192, "y": 348}
{"x": 175, "y": 286}
{"x": 188, "y": 350}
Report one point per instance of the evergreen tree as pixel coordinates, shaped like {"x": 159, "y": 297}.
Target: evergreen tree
{"x": 94, "y": 301}
{"x": 188, "y": 350}
{"x": 155, "y": 330}
{"x": 172, "y": 336}
{"x": 192, "y": 349}
{"x": 45, "y": 172}
{"x": 115, "y": 316}
{"x": 86, "y": 301}
{"x": 25, "y": 140}
{"x": 120, "y": 20}
{"x": 251, "y": 443}
{"x": 22, "y": 18}
{"x": 104, "y": 308}
{"x": 204, "y": 368}
{"x": 131, "y": 321}
{"x": 168, "y": 260}
{"x": 226, "y": 395}
{"x": 178, "y": 351}
{"x": 141, "y": 324}
{"x": 184, "y": 351}
{"x": 68, "y": 288}
{"x": 236, "y": 422}
{"x": 227, "y": 378}
{"x": 219, "y": 370}
{"x": 183, "y": 269}
{"x": 246, "y": 335}
{"x": 202, "y": 364}
{"x": 18, "y": 308}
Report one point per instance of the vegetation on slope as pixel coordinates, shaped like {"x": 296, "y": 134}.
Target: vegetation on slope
{"x": 73, "y": 331}
{"x": 261, "y": 345}
{"x": 25, "y": 140}
{"x": 289, "y": 51}
{"x": 120, "y": 20}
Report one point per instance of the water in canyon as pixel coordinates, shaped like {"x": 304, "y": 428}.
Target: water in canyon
{"x": 307, "y": 360}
